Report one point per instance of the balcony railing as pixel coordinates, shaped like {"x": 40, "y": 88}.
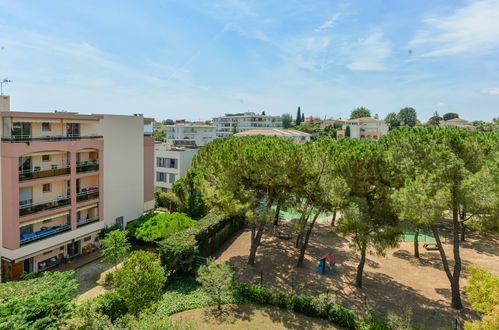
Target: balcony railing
{"x": 87, "y": 167}
{"x": 87, "y": 195}
{"x": 37, "y": 173}
{"x": 83, "y": 222}
{"x": 28, "y": 207}
{"x": 55, "y": 138}
{"x": 42, "y": 234}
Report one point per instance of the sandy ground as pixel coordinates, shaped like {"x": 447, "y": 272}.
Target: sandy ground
{"x": 249, "y": 317}
{"x": 91, "y": 280}
{"x": 389, "y": 282}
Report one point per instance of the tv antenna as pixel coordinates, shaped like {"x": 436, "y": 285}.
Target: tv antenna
{"x": 5, "y": 81}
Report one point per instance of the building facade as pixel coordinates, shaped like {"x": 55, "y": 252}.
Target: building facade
{"x": 189, "y": 134}
{"x": 234, "y": 123}
{"x": 171, "y": 163}
{"x": 296, "y": 136}
{"x": 64, "y": 176}
{"x": 364, "y": 128}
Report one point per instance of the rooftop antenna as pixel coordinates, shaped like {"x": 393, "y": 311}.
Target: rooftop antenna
{"x": 5, "y": 81}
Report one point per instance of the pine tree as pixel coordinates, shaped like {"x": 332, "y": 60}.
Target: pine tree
{"x": 298, "y": 117}
{"x": 302, "y": 117}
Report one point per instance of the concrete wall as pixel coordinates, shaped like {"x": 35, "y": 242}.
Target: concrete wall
{"x": 123, "y": 162}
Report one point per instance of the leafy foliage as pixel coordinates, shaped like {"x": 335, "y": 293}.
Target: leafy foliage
{"x": 407, "y": 117}
{"x": 39, "y": 303}
{"x": 216, "y": 280}
{"x": 140, "y": 280}
{"x": 450, "y": 115}
{"x": 483, "y": 294}
{"x": 189, "y": 198}
{"x": 177, "y": 252}
{"x": 133, "y": 225}
{"x": 163, "y": 225}
{"x": 115, "y": 247}
{"x": 287, "y": 120}
{"x": 360, "y": 112}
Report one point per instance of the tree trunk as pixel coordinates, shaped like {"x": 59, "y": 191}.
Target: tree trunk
{"x": 360, "y": 268}
{"x": 305, "y": 242}
{"x": 456, "y": 294}
{"x": 298, "y": 240}
{"x": 277, "y": 212}
{"x": 463, "y": 231}
{"x": 333, "y": 221}
{"x": 416, "y": 243}
{"x": 256, "y": 239}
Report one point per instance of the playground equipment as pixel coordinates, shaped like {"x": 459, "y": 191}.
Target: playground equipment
{"x": 326, "y": 263}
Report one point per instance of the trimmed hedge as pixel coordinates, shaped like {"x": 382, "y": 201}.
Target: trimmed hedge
{"x": 133, "y": 225}
{"x": 320, "y": 306}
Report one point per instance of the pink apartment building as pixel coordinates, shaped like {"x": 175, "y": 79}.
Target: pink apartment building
{"x": 63, "y": 177}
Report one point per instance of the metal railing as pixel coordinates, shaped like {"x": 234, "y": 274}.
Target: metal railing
{"x": 83, "y": 222}
{"x": 28, "y": 207}
{"x": 42, "y": 234}
{"x": 55, "y": 138}
{"x": 37, "y": 173}
{"x": 89, "y": 166}
{"x": 87, "y": 195}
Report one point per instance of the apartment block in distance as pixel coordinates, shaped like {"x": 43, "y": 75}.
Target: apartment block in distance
{"x": 189, "y": 134}
{"x": 234, "y": 123}
{"x": 171, "y": 164}
{"x": 64, "y": 176}
{"x": 365, "y": 128}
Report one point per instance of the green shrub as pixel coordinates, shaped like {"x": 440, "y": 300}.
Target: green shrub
{"x": 177, "y": 252}
{"x": 110, "y": 304}
{"x": 133, "y": 225}
{"x": 107, "y": 229}
{"x": 323, "y": 304}
{"x": 342, "y": 316}
{"x": 303, "y": 305}
{"x": 28, "y": 276}
{"x": 109, "y": 278}
{"x": 162, "y": 225}
{"x": 281, "y": 299}
{"x": 39, "y": 303}
{"x": 254, "y": 293}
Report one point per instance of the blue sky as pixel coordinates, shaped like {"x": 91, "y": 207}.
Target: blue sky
{"x": 199, "y": 59}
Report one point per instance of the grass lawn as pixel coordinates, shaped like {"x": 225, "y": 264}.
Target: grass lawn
{"x": 249, "y": 317}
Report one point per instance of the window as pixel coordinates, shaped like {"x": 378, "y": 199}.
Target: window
{"x": 88, "y": 238}
{"x": 46, "y": 127}
{"x": 161, "y": 162}
{"x": 46, "y": 158}
{"x": 119, "y": 223}
{"x": 46, "y": 187}
{"x": 160, "y": 176}
{"x": 172, "y": 178}
{"x": 172, "y": 163}
{"x": 73, "y": 129}
{"x": 26, "y": 229}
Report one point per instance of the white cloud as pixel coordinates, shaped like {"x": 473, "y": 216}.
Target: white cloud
{"x": 369, "y": 53}
{"x": 491, "y": 91}
{"x": 471, "y": 29}
{"x": 329, "y": 23}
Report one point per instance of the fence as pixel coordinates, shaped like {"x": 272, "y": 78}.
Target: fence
{"x": 210, "y": 241}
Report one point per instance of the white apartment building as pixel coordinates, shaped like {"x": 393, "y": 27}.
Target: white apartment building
{"x": 296, "y": 136}
{"x": 63, "y": 177}
{"x": 189, "y": 134}
{"x": 171, "y": 163}
{"x": 365, "y": 128}
{"x": 234, "y": 123}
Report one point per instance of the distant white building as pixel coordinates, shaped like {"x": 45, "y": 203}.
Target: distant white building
{"x": 189, "y": 134}
{"x": 365, "y": 128}
{"x": 240, "y": 122}
{"x": 170, "y": 164}
{"x": 456, "y": 122}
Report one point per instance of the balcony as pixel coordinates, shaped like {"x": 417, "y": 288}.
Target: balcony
{"x": 89, "y": 166}
{"x": 27, "y": 207}
{"x": 46, "y": 232}
{"x": 37, "y": 173}
{"x": 84, "y": 222}
{"x": 54, "y": 138}
{"x": 87, "y": 194}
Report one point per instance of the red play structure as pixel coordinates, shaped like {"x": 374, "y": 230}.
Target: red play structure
{"x": 326, "y": 263}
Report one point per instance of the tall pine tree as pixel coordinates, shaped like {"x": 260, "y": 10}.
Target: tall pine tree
{"x": 298, "y": 117}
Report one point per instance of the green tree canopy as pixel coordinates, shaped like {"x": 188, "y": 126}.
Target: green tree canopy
{"x": 298, "y": 117}
{"x": 360, "y": 112}
{"x": 216, "y": 280}
{"x": 407, "y": 117}
{"x": 140, "y": 280}
{"x": 189, "y": 197}
{"x": 287, "y": 120}
{"x": 163, "y": 225}
{"x": 115, "y": 247}
{"x": 393, "y": 120}
{"x": 435, "y": 119}
{"x": 450, "y": 115}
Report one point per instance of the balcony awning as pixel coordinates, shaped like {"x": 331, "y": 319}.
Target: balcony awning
{"x": 35, "y": 120}
{"x": 53, "y": 216}
{"x": 88, "y": 207}
{"x": 55, "y": 152}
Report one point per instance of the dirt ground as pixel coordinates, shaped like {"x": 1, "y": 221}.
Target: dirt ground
{"x": 91, "y": 280}
{"x": 249, "y": 317}
{"x": 389, "y": 283}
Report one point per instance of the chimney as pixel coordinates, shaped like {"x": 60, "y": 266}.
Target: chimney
{"x": 4, "y": 103}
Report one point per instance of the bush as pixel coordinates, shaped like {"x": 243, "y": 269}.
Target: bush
{"x": 109, "y": 278}
{"x": 110, "y": 304}
{"x": 177, "y": 252}
{"x": 133, "y": 225}
{"x": 163, "y": 225}
{"x": 281, "y": 299}
{"x": 254, "y": 293}
{"x": 216, "y": 280}
{"x": 303, "y": 305}
{"x": 342, "y": 316}
{"x": 323, "y": 304}
{"x": 38, "y": 303}
{"x": 373, "y": 321}
{"x": 107, "y": 229}
{"x": 140, "y": 280}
